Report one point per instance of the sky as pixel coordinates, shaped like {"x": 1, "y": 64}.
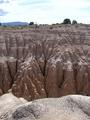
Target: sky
{"x": 44, "y": 11}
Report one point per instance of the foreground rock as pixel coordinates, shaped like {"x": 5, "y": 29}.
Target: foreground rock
{"x": 72, "y": 107}
{"x": 40, "y": 63}
{"x": 8, "y": 103}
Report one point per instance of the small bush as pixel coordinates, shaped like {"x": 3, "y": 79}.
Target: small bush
{"x": 74, "y": 22}
{"x": 67, "y": 21}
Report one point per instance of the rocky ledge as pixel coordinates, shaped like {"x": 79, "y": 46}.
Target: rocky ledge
{"x": 71, "y": 107}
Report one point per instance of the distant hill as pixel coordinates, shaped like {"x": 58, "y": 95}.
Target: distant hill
{"x": 15, "y": 23}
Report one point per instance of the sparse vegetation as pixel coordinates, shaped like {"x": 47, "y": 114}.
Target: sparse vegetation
{"x": 31, "y": 23}
{"x": 74, "y": 22}
{"x": 67, "y": 21}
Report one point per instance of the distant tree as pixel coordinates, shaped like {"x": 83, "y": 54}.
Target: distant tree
{"x": 31, "y": 23}
{"x": 0, "y": 24}
{"x": 74, "y": 22}
{"x": 36, "y": 26}
{"x": 67, "y": 21}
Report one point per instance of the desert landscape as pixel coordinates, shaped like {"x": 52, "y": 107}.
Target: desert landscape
{"x": 45, "y": 61}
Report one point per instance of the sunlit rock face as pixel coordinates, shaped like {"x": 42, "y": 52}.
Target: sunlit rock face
{"x": 39, "y": 63}
{"x": 71, "y": 107}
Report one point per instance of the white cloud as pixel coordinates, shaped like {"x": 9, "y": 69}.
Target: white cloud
{"x": 46, "y": 11}
{"x": 71, "y": 3}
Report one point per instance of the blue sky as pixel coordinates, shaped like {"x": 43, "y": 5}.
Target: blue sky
{"x": 44, "y": 11}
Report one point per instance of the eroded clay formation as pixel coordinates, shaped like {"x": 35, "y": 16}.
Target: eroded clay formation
{"x": 39, "y": 63}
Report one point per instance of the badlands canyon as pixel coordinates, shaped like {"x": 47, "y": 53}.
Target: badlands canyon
{"x": 45, "y": 62}
{"x": 48, "y": 63}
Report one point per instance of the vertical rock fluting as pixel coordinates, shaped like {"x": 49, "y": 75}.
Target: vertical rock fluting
{"x": 48, "y": 63}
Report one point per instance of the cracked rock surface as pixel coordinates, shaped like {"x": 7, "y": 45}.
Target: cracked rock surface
{"x": 71, "y": 107}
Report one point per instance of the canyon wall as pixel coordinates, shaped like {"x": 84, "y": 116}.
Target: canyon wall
{"x": 39, "y": 63}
